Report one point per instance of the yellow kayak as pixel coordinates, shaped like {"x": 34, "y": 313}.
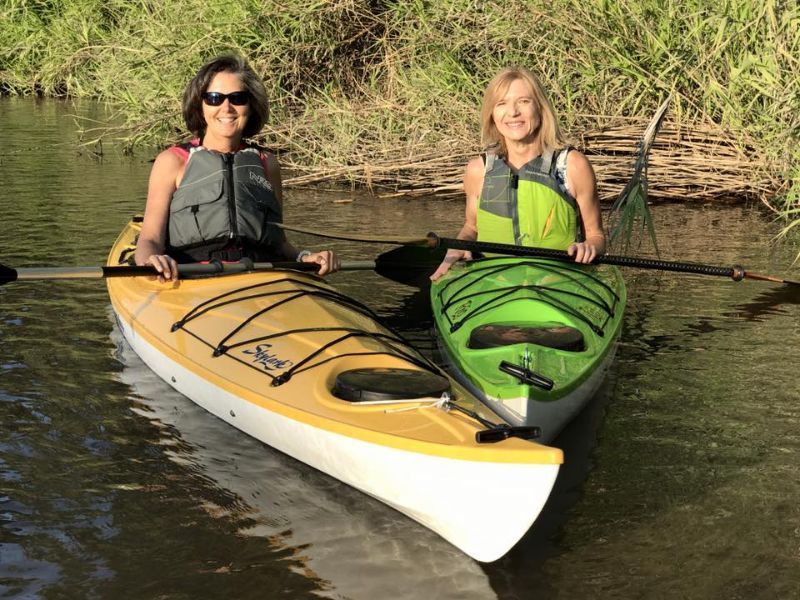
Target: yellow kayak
{"x": 284, "y": 357}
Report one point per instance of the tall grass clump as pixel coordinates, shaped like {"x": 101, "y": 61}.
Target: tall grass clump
{"x": 386, "y": 93}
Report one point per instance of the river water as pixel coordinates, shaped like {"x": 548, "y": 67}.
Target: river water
{"x": 681, "y": 478}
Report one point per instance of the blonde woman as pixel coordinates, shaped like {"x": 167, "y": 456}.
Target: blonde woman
{"x": 528, "y": 188}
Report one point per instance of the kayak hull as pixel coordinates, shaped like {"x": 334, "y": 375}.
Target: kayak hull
{"x": 556, "y": 323}
{"x": 411, "y": 455}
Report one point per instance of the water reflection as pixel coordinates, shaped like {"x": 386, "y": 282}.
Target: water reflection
{"x": 346, "y": 543}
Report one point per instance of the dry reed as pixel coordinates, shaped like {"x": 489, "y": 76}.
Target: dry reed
{"x": 695, "y": 163}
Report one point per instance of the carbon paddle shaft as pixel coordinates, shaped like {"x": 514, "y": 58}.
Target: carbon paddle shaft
{"x": 7, "y": 274}
{"x": 213, "y": 268}
{"x": 736, "y": 273}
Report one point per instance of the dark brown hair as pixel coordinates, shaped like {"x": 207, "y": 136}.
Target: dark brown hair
{"x": 227, "y": 63}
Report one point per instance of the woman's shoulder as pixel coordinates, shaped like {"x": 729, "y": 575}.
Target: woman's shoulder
{"x": 174, "y": 156}
{"x": 473, "y": 176}
{"x": 270, "y": 161}
{"x": 575, "y": 158}
{"x": 573, "y": 163}
{"x": 476, "y": 165}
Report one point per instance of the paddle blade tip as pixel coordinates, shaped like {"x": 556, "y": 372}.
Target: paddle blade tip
{"x": 7, "y": 274}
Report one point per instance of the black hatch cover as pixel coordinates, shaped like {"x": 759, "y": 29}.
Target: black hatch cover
{"x": 387, "y": 385}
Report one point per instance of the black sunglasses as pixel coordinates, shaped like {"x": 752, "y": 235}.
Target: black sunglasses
{"x": 235, "y": 98}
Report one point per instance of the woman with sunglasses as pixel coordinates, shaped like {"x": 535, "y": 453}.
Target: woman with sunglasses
{"x": 215, "y": 197}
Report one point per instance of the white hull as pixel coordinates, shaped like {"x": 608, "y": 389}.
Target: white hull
{"x": 483, "y": 508}
{"x": 550, "y": 416}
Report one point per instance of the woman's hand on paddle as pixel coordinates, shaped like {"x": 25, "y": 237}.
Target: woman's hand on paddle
{"x": 165, "y": 265}
{"x": 327, "y": 260}
{"x": 584, "y": 252}
{"x": 452, "y": 257}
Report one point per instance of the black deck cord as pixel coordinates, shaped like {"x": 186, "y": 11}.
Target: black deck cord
{"x": 321, "y": 291}
{"x": 566, "y": 271}
{"x": 318, "y": 291}
{"x": 737, "y": 273}
{"x": 546, "y": 295}
{"x": 391, "y": 351}
{"x": 272, "y": 336}
{"x": 459, "y": 296}
{"x": 573, "y": 271}
{"x": 222, "y": 348}
{"x": 496, "y": 432}
{"x": 397, "y": 353}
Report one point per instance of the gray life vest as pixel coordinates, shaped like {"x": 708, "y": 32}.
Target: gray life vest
{"x": 224, "y": 201}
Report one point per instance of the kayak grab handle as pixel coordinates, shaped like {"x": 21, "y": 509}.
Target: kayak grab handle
{"x": 503, "y": 432}
{"x": 525, "y": 375}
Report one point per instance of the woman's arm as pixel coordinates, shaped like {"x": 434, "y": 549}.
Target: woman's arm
{"x": 152, "y": 238}
{"x": 582, "y": 184}
{"x": 326, "y": 259}
{"x": 473, "y": 183}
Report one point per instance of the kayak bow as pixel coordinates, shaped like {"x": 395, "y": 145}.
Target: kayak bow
{"x": 531, "y": 338}
{"x": 287, "y": 359}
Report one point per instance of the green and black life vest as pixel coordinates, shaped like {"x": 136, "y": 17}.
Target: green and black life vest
{"x": 529, "y": 207}
{"x": 223, "y": 207}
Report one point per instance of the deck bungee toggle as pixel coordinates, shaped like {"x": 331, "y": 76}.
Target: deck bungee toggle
{"x": 495, "y": 432}
{"x": 525, "y": 375}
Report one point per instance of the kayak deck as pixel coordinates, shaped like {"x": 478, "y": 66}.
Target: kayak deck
{"x": 232, "y": 331}
{"x": 523, "y": 333}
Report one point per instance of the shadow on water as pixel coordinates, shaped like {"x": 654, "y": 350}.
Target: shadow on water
{"x": 775, "y": 300}
{"x": 521, "y": 574}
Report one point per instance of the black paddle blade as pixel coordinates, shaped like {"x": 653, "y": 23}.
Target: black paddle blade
{"x": 7, "y": 274}
{"x": 410, "y": 265}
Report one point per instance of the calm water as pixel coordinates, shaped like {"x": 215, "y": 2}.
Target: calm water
{"x": 681, "y": 481}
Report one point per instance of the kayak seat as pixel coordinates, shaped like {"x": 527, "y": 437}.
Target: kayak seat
{"x": 376, "y": 385}
{"x": 560, "y": 337}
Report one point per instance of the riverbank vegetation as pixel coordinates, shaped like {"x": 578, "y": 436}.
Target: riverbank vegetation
{"x": 386, "y": 93}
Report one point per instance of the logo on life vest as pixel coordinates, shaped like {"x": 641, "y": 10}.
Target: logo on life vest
{"x": 267, "y": 359}
{"x": 260, "y": 180}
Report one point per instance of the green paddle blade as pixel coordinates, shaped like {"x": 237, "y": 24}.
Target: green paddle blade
{"x": 410, "y": 265}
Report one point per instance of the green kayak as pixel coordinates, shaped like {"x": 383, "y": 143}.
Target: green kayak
{"x": 532, "y": 338}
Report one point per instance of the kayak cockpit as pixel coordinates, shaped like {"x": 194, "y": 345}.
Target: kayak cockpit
{"x": 550, "y": 335}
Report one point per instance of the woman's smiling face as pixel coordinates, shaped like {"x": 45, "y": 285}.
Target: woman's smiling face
{"x": 226, "y": 121}
{"x": 515, "y": 113}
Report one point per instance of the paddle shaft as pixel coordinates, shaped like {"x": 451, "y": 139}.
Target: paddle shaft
{"x": 736, "y": 273}
{"x": 214, "y": 268}
{"x": 433, "y": 242}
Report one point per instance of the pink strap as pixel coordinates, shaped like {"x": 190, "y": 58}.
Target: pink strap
{"x": 263, "y": 158}
{"x": 182, "y": 152}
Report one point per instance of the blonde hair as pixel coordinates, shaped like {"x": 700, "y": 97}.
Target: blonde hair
{"x": 549, "y": 133}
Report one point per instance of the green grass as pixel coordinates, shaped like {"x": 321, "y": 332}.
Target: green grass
{"x": 357, "y": 77}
